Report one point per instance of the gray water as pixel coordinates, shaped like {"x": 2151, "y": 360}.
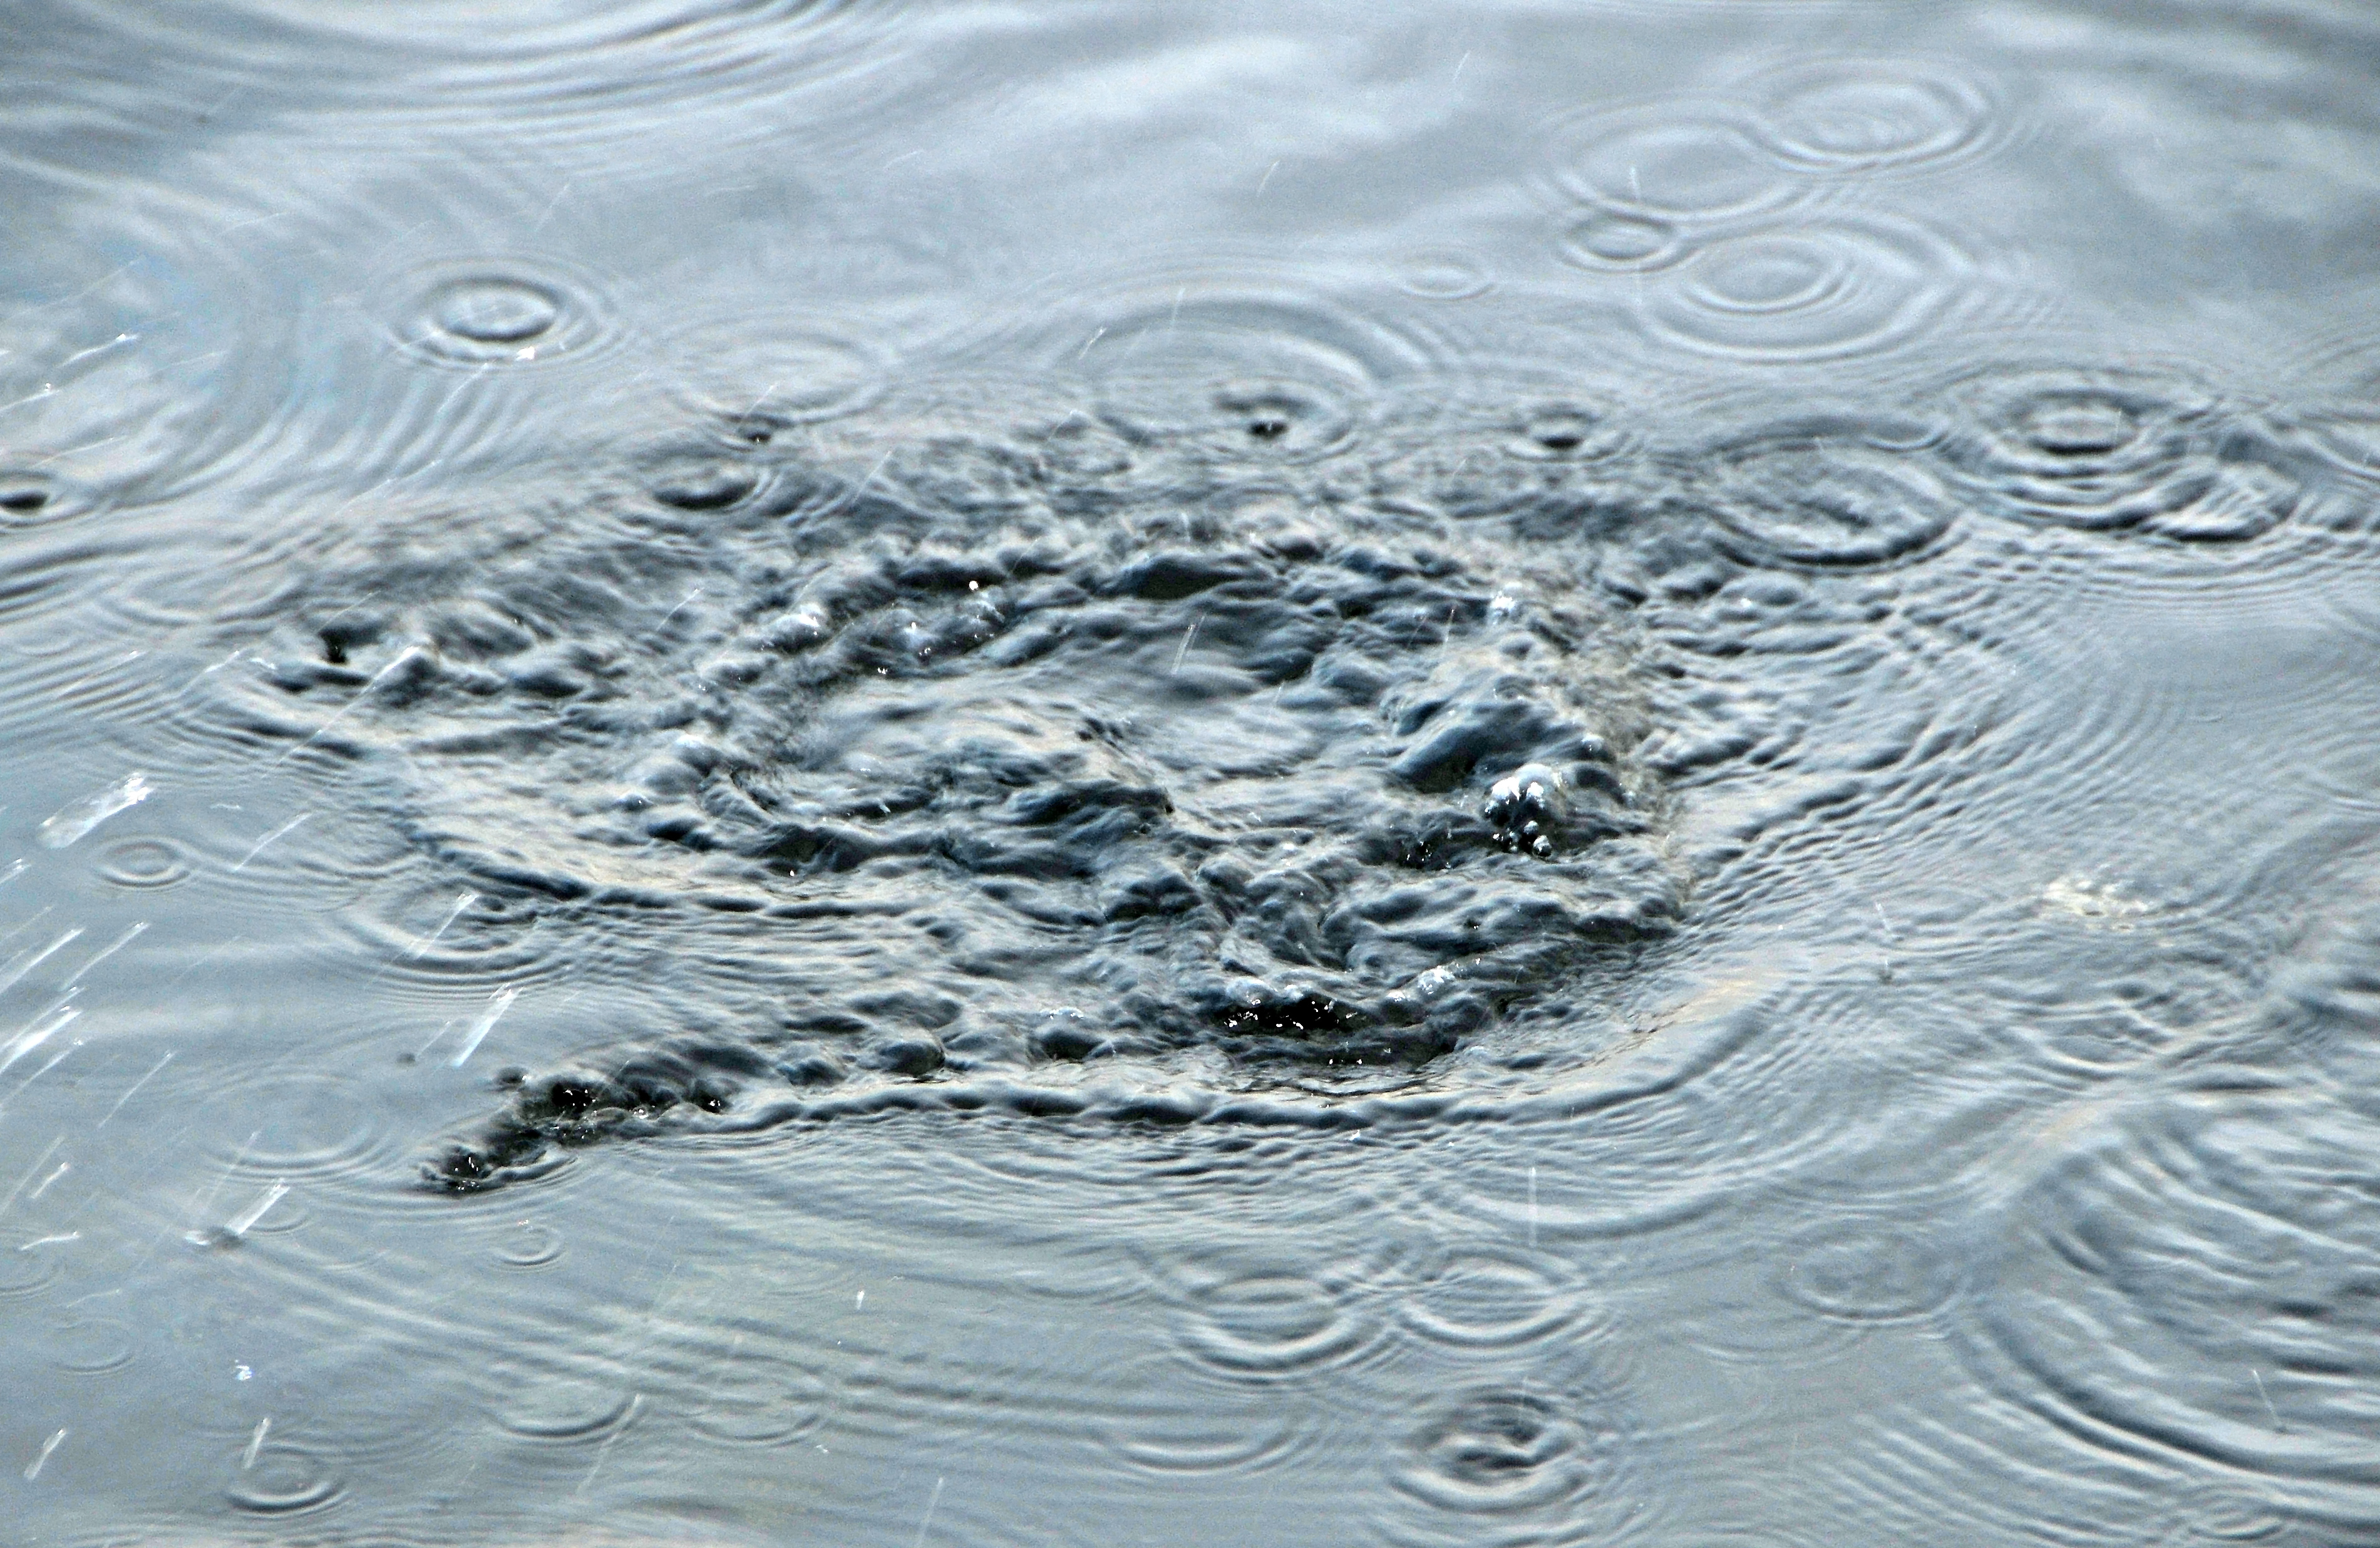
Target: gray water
{"x": 1056, "y": 773}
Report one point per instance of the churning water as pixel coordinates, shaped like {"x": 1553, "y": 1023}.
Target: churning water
{"x": 890, "y": 773}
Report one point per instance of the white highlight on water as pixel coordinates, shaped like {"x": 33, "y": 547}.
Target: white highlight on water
{"x": 38, "y": 1031}
{"x": 926, "y": 1525}
{"x": 498, "y": 1003}
{"x": 33, "y": 1468}
{"x": 132, "y": 1088}
{"x": 283, "y": 831}
{"x": 18, "y": 967}
{"x": 242, "y": 1223}
{"x": 118, "y": 945}
{"x": 75, "y": 819}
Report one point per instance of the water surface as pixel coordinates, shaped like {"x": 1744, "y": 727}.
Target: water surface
{"x": 1515, "y": 775}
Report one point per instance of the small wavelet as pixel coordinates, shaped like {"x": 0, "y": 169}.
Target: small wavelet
{"x": 1446, "y": 274}
{"x": 1689, "y": 159}
{"x": 1830, "y": 492}
{"x": 1236, "y": 365}
{"x": 2107, "y": 450}
{"x": 1617, "y": 241}
{"x": 1852, "y": 114}
{"x": 2188, "y": 1278}
{"x": 763, "y": 1403}
{"x": 1550, "y": 1454}
{"x": 501, "y": 312}
{"x": 1831, "y": 288}
{"x": 145, "y": 863}
{"x": 756, "y": 374}
{"x": 277, "y": 1480}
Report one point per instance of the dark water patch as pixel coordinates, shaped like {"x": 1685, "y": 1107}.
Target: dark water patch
{"x": 32, "y": 495}
{"x": 817, "y": 705}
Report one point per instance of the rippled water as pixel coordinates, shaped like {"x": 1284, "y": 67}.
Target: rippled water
{"x": 865, "y": 772}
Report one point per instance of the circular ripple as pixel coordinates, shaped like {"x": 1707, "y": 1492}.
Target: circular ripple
{"x": 1682, "y": 159}
{"x": 176, "y": 367}
{"x": 2194, "y": 1276}
{"x": 500, "y": 312}
{"x": 1444, "y": 274}
{"x": 1567, "y": 430}
{"x": 144, "y": 863}
{"x": 1543, "y": 1459}
{"x": 544, "y": 1405}
{"x": 443, "y": 935}
{"x": 283, "y": 1480}
{"x": 1852, "y": 114}
{"x": 2102, "y": 450}
{"x": 1616, "y": 240}
{"x": 1827, "y": 495}
{"x": 1168, "y": 1427}
{"x": 1877, "y": 1270}
{"x": 1275, "y": 1324}
{"x": 771, "y": 1405}
{"x": 1827, "y": 290}
{"x": 90, "y": 1345}
{"x": 1496, "y": 1451}
{"x": 1243, "y": 373}
{"x": 755, "y": 375}
{"x": 26, "y": 1272}
{"x": 1490, "y": 1298}
{"x": 478, "y": 313}
{"x": 528, "y": 1245}
{"x": 308, "y": 1125}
